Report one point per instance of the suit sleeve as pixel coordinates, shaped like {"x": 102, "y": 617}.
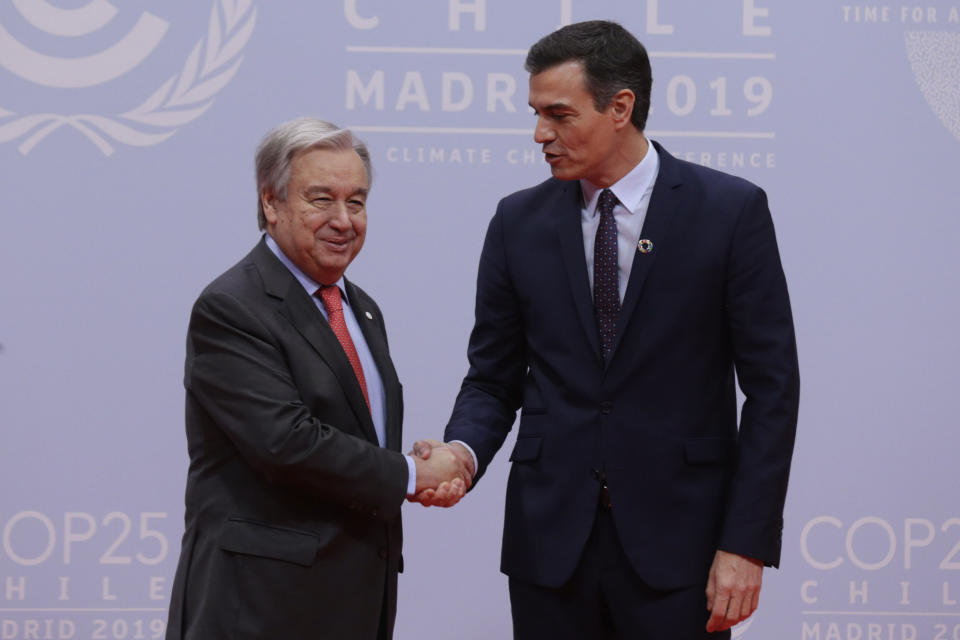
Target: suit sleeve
{"x": 764, "y": 346}
{"x": 238, "y": 374}
{"x": 492, "y": 390}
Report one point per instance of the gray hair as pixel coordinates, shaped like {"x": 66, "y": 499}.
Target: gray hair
{"x": 284, "y": 141}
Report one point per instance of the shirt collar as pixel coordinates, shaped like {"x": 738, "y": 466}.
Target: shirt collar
{"x": 308, "y": 283}
{"x": 630, "y": 189}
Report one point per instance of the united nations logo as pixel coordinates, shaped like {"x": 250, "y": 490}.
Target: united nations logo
{"x": 162, "y": 110}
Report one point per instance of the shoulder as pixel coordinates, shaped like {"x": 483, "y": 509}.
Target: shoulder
{"x": 239, "y": 305}
{"x": 243, "y": 277}
{"x": 537, "y": 207}
{"x": 712, "y": 183}
{"x": 257, "y": 283}
{"x": 537, "y": 195}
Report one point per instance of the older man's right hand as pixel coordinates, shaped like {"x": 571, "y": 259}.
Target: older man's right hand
{"x": 443, "y": 473}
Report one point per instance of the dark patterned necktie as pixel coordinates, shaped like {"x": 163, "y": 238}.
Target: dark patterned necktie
{"x": 606, "y": 276}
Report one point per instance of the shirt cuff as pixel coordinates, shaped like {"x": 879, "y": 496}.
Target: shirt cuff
{"x": 473, "y": 455}
{"x": 412, "y": 476}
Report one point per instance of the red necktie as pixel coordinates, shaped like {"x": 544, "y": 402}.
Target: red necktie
{"x": 330, "y": 295}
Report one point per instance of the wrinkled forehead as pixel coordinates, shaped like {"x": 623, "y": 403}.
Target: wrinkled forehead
{"x": 329, "y": 169}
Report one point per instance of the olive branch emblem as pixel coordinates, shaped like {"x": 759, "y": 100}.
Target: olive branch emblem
{"x": 181, "y": 99}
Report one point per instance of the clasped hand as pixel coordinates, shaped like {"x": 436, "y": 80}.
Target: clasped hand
{"x": 444, "y": 472}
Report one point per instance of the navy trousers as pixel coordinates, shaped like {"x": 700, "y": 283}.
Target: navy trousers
{"x": 605, "y": 600}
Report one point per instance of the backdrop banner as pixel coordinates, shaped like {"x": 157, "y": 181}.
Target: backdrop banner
{"x": 127, "y": 134}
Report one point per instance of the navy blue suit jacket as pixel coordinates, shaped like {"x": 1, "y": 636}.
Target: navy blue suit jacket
{"x": 660, "y": 418}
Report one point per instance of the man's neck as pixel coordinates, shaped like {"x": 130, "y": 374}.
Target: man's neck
{"x": 628, "y": 155}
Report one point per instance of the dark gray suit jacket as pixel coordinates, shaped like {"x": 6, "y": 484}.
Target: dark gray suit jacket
{"x": 292, "y": 508}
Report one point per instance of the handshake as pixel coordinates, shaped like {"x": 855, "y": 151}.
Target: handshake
{"x": 444, "y": 472}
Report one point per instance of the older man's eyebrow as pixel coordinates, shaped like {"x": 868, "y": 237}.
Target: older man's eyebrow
{"x": 319, "y": 189}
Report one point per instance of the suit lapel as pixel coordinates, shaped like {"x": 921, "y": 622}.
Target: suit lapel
{"x": 300, "y": 310}
{"x": 568, "y": 205}
{"x": 366, "y": 315}
{"x": 665, "y": 201}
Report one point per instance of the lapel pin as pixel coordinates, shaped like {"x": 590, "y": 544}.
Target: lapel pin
{"x": 645, "y": 246}
{"x": 369, "y": 315}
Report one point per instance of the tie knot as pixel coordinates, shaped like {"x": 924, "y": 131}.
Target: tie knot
{"x": 330, "y": 296}
{"x": 607, "y": 202}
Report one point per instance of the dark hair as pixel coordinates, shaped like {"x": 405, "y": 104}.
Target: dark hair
{"x": 612, "y": 60}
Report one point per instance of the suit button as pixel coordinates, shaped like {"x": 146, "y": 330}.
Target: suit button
{"x": 606, "y": 408}
{"x": 383, "y": 552}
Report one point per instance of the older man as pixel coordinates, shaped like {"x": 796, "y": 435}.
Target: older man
{"x": 293, "y": 418}
{"x": 615, "y": 302}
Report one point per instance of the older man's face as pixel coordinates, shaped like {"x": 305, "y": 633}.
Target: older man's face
{"x": 323, "y": 221}
{"x": 578, "y": 141}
